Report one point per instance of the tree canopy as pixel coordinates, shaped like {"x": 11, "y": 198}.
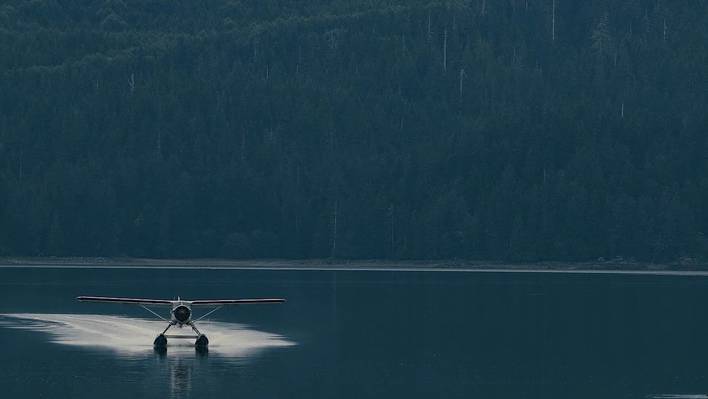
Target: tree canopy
{"x": 508, "y": 130}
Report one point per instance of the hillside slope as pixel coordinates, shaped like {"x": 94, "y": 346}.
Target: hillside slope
{"x": 515, "y": 130}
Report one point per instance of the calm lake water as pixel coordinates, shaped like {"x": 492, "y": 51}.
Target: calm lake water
{"x": 349, "y": 334}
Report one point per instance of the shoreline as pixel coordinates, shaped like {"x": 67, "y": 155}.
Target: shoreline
{"x": 616, "y": 267}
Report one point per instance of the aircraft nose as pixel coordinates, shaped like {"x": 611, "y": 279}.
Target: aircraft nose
{"x": 182, "y": 314}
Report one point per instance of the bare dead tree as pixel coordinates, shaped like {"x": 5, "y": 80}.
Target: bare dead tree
{"x": 21, "y": 161}
{"x": 392, "y": 215}
{"x": 334, "y": 229}
{"x": 269, "y": 135}
{"x": 243, "y": 146}
{"x": 429, "y": 28}
{"x": 332, "y": 38}
{"x": 445, "y": 51}
{"x": 553, "y": 21}
{"x": 299, "y": 59}
{"x": 131, "y": 83}
{"x": 255, "y": 50}
{"x": 664, "y": 30}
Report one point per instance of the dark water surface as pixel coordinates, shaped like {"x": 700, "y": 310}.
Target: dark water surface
{"x": 349, "y": 334}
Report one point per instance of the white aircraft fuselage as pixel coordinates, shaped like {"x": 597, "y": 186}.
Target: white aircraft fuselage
{"x": 181, "y": 312}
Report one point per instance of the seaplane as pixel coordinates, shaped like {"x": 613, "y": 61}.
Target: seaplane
{"x": 181, "y": 314}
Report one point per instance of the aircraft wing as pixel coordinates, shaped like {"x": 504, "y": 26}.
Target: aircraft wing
{"x": 137, "y": 301}
{"x": 236, "y": 301}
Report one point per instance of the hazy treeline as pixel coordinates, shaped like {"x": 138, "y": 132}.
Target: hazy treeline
{"x": 512, "y": 129}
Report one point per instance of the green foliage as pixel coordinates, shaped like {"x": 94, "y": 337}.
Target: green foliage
{"x": 424, "y": 129}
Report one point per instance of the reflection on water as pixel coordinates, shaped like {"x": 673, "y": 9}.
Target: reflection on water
{"x": 179, "y": 370}
{"x": 180, "y": 377}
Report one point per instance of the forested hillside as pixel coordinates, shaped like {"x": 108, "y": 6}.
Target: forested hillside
{"x": 484, "y": 129}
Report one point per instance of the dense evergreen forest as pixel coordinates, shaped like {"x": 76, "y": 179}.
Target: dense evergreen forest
{"x": 481, "y": 129}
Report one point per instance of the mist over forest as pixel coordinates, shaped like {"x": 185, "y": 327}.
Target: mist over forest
{"x": 515, "y": 130}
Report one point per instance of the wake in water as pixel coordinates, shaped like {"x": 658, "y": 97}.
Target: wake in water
{"x": 133, "y": 335}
